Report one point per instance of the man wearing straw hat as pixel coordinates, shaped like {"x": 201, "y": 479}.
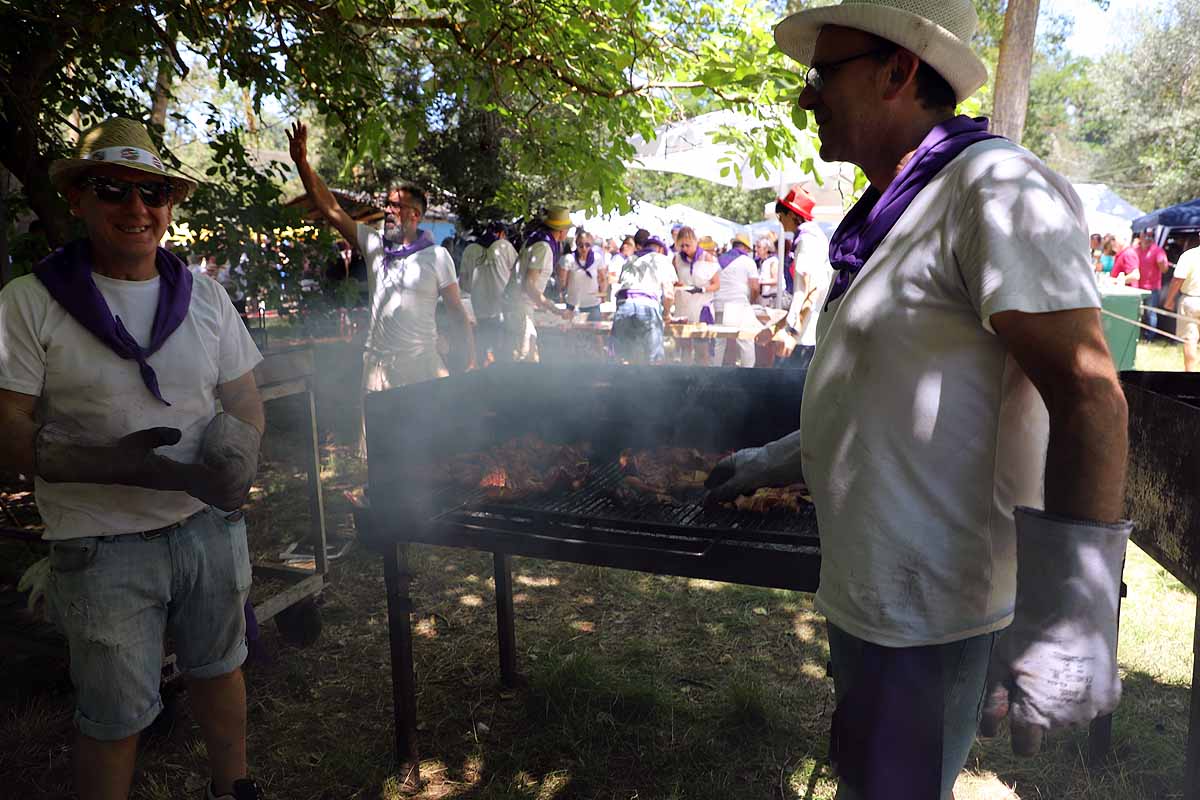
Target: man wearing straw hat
{"x": 526, "y": 290}
{"x": 112, "y": 358}
{"x": 960, "y": 384}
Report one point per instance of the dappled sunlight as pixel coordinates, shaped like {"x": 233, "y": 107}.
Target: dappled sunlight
{"x": 584, "y": 626}
{"x": 471, "y": 600}
{"x": 533, "y": 580}
{"x": 585, "y": 600}
{"x": 814, "y": 671}
{"x": 711, "y": 586}
{"x": 520, "y": 597}
{"x": 983, "y": 785}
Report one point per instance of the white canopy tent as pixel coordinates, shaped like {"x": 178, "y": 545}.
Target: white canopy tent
{"x": 653, "y": 218}
{"x": 1106, "y": 211}
{"x": 688, "y": 148}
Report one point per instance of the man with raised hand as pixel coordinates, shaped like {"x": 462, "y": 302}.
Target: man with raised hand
{"x": 963, "y": 432}
{"x": 112, "y": 358}
{"x": 406, "y": 274}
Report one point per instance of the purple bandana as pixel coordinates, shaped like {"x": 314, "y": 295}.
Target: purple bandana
{"x": 424, "y": 239}
{"x": 874, "y": 216}
{"x": 543, "y": 235}
{"x": 644, "y": 251}
{"x": 67, "y": 275}
{"x": 733, "y": 255}
{"x": 587, "y": 265}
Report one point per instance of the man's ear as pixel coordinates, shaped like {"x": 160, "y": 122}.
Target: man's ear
{"x": 902, "y": 71}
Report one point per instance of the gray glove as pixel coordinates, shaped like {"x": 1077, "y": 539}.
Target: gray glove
{"x": 228, "y": 462}
{"x": 71, "y": 456}
{"x": 747, "y": 471}
{"x": 1056, "y": 665}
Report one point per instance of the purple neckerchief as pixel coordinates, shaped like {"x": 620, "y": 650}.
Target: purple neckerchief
{"x": 874, "y": 216}
{"x": 67, "y": 275}
{"x": 587, "y": 265}
{"x": 424, "y": 239}
{"x": 733, "y": 255}
{"x": 543, "y": 235}
{"x": 645, "y": 251}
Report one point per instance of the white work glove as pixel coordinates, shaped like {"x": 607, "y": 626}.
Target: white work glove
{"x": 1056, "y": 665}
{"x": 34, "y": 580}
{"x": 228, "y": 462}
{"x": 66, "y": 455}
{"x": 747, "y": 471}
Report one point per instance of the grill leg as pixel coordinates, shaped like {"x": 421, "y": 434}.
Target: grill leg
{"x": 1191, "y": 772}
{"x": 505, "y": 620}
{"x": 397, "y": 578}
{"x": 1100, "y": 731}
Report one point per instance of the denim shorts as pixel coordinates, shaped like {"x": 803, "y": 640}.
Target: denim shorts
{"x": 637, "y": 332}
{"x": 905, "y": 718}
{"x": 115, "y": 597}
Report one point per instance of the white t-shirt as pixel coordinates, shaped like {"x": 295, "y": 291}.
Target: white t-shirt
{"x": 919, "y": 431}
{"x": 404, "y": 296}
{"x": 735, "y": 282}
{"x": 1187, "y": 269}
{"x": 768, "y": 273}
{"x": 810, "y": 256}
{"x": 536, "y": 258}
{"x": 491, "y": 279}
{"x": 472, "y": 255}
{"x": 649, "y": 274}
{"x": 583, "y": 291}
{"x": 84, "y": 385}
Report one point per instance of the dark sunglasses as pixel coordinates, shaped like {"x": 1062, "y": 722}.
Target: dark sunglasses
{"x": 155, "y": 194}
{"x": 819, "y": 73}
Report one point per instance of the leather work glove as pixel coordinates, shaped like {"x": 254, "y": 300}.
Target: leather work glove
{"x": 228, "y": 462}
{"x": 65, "y": 456}
{"x": 747, "y": 471}
{"x": 34, "y": 580}
{"x": 1056, "y": 665}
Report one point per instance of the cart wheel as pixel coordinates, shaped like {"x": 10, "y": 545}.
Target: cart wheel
{"x": 300, "y": 625}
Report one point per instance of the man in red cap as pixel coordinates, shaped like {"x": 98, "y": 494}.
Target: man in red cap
{"x": 808, "y": 276}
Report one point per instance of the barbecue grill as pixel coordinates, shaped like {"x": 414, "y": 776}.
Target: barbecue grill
{"x": 413, "y": 428}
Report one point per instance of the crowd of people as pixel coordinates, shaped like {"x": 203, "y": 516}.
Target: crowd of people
{"x": 1143, "y": 264}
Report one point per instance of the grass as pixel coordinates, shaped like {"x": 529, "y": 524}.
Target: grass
{"x": 1159, "y": 356}
{"x": 640, "y": 686}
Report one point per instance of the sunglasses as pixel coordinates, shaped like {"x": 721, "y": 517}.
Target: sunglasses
{"x": 155, "y": 194}
{"x": 818, "y": 74}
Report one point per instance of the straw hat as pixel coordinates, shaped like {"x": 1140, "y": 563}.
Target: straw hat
{"x": 708, "y": 243}
{"x": 557, "y": 218}
{"x": 743, "y": 237}
{"x": 937, "y": 31}
{"x": 116, "y": 141}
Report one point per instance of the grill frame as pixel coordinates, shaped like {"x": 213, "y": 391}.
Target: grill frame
{"x": 614, "y": 408}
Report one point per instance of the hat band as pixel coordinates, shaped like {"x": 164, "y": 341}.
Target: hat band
{"x": 126, "y": 154}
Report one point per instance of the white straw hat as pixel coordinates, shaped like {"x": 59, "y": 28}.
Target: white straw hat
{"x": 937, "y": 31}
{"x": 117, "y": 141}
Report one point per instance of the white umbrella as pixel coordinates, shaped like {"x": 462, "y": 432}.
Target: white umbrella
{"x": 653, "y": 218}
{"x": 721, "y": 230}
{"x": 688, "y": 148}
{"x": 1106, "y": 211}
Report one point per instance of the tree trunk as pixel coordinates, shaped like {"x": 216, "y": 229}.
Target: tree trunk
{"x": 20, "y": 154}
{"x": 162, "y": 94}
{"x": 1014, "y": 68}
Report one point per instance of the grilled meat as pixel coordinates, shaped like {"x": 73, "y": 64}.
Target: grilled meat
{"x": 520, "y": 468}
{"x": 788, "y": 498}
{"x": 664, "y": 475}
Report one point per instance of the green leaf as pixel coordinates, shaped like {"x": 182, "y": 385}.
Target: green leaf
{"x": 348, "y": 9}
{"x": 799, "y": 117}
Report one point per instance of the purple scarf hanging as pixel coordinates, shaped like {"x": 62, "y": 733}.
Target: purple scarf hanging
{"x": 733, "y": 255}
{"x": 424, "y": 239}
{"x": 543, "y": 235}
{"x": 67, "y": 275}
{"x": 586, "y": 266}
{"x": 874, "y": 216}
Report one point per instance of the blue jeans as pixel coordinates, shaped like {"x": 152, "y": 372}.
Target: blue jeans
{"x": 1151, "y": 318}
{"x": 906, "y": 717}
{"x": 115, "y": 597}
{"x": 637, "y": 332}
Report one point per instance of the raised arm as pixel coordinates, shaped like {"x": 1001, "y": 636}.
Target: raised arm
{"x": 322, "y": 198}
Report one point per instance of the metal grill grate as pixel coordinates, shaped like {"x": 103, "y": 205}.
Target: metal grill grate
{"x": 593, "y": 513}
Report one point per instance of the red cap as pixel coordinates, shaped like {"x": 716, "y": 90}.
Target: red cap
{"x": 798, "y": 201}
